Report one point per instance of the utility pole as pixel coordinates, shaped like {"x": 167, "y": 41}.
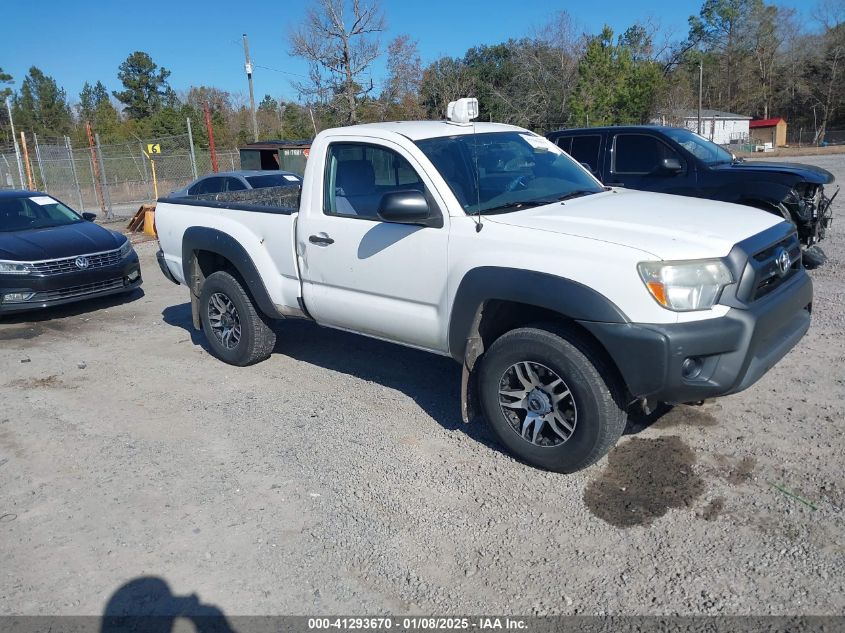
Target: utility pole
{"x": 700, "y": 89}
{"x": 248, "y": 67}
{"x": 15, "y": 139}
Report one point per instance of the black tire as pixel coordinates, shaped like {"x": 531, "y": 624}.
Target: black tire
{"x": 595, "y": 391}
{"x": 256, "y": 339}
{"x": 814, "y": 257}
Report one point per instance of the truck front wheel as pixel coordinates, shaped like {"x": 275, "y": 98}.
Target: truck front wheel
{"x": 550, "y": 398}
{"x": 236, "y": 332}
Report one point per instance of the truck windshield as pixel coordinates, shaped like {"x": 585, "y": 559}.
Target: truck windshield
{"x": 499, "y": 172}
{"x": 706, "y": 151}
{"x": 37, "y": 212}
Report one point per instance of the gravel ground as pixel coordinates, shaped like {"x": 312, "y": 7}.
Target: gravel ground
{"x": 337, "y": 477}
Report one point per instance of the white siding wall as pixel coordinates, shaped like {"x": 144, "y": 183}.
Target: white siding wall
{"x": 721, "y": 131}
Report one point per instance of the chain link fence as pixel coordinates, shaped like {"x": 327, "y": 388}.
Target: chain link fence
{"x": 112, "y": 180}
{"x": 800, "y": 136}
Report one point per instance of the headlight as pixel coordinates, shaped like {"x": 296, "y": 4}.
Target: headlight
{"x": 687, "y": 285}
{"x": 126, "y": 248}
{"x": 14, "y": 268}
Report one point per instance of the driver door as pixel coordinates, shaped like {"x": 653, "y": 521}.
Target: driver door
{"x": 362, "y": 274}
{"x": 635, "y": 162}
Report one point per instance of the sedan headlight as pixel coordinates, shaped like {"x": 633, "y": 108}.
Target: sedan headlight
{"x": 126, "y": 248}
{"x": 686, "y": 285}
{"x": 14, "y": 268}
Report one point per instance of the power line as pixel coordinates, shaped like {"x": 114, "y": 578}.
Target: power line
{"x": 284, "y": 72}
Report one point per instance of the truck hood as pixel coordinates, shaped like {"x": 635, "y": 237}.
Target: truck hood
{"x": 664, "y": 226}
{"x": 807, "y": 173}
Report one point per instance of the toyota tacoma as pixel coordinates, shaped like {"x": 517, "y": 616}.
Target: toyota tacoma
{"x": 566, "y": 302}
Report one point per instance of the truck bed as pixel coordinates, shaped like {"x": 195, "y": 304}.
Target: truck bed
{"x": 262, "y": 221}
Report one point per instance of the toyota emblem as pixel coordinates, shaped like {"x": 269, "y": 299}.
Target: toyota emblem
{"x": 783, "y": 261}
{"x": 81, "y": 263}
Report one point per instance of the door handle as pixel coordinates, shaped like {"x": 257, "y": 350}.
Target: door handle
{"x": 321, "y": 239}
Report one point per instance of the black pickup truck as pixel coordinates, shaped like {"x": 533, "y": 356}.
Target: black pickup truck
{"x": 675, "y": 160}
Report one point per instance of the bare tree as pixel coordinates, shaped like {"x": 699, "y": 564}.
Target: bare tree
{"x": 401, "y": 97}
{"x": 445, "y": 80}
{"x": 550, "y": 68}
{"x": 339, "y": 39}
{"x": 829, "y": 13}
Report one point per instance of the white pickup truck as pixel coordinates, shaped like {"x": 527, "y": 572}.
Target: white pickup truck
{"x": 565, "y": 301}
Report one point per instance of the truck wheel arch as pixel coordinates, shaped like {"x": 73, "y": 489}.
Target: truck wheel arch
{"x": 206, "y": 250}
{"x": 491, "y": 300}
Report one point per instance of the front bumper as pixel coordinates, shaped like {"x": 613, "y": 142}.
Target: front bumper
{"x": 734, "y": 351}
{"x": 59, "y": 289}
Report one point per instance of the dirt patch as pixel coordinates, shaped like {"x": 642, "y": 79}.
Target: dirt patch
{"x": 21, "y": 333}
{"x": 643, "y": 480}
{"x": 713, "y": 509}
{"x": 736, "y": 472}
{"x": 686, "y": 416}
{"x": 36, "y": 383}
{"x": 29, "y": 331}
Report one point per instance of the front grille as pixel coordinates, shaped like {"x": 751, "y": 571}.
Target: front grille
{"x": 767, "y": 275}
{"x": 68, "y": 264}
{"x": 81, "y": 291}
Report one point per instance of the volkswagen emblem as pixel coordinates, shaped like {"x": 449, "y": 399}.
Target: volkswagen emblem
{"x": 783, "y": 261}
{"x": 81, "y": 262}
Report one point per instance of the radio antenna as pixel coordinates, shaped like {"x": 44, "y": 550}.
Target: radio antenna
{"x": 478, "y": 224}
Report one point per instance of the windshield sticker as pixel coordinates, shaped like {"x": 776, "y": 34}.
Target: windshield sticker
{"x": 44, "y": 200}
{"x": 542, "y": 144}
{"x": 291, "y": 178}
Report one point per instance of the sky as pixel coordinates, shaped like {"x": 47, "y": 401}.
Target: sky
{"x": 200, "y": 41}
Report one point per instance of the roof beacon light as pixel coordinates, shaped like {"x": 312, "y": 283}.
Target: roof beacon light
{"x": 462, "y": 111}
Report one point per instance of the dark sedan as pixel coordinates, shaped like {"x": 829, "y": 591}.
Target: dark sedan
{"x": 51, "y": 255}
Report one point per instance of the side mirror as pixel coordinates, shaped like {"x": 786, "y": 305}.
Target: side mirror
{"x": 588, "y": 168}
{"x": 89, "y": 216}
{"x": 670, "y": 166}
{"x": 407, "y": 207}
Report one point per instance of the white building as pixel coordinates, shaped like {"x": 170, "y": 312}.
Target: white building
{"x": 718, "y": 126}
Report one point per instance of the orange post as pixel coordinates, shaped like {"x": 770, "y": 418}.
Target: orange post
{"x": 210, "y": 129}
{"x": 27, "y": 163}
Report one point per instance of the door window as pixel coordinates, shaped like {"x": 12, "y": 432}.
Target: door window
{"x": 639, "y": 154}
{"x": 585, "y": 149}
{"x": 207, "y": 185}
{"x": 565, "y": 143}
{"x": 234, "y": 184}
{"x": 358, "y": 175}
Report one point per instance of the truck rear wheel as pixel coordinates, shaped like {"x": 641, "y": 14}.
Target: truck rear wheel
{"x": 550, "y": 398}
{"x": 236, "y": 332}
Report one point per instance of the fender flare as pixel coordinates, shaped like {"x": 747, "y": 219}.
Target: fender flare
{"x": 200, "y": 238}
{"x": 569, "y": 298}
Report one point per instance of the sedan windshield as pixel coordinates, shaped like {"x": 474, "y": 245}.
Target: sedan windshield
{"x": 36, "y": 212}
{"x": 501, "y": 172}
{"x": 707, "y": 151}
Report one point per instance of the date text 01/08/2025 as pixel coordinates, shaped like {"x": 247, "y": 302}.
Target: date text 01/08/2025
{"x": 419, "y": 623}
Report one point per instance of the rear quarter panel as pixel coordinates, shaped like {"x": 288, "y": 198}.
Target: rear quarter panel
{"x": 267, "y": 237}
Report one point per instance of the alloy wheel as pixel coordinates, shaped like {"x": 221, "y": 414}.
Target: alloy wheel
{"x": 224, "y": 320}
{"x": 538, "y": 404}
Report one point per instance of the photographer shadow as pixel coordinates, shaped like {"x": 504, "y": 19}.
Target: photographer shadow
{"x": 146, "y": 605}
